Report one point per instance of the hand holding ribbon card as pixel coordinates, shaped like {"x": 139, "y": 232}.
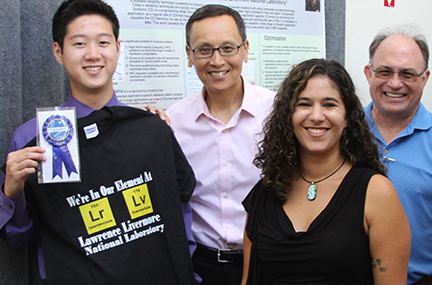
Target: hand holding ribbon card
{"x": 57, "y": 134}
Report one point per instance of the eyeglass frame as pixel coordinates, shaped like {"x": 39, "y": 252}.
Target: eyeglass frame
{"x": 399, "y": 73}
{"x": 218, "y": 49}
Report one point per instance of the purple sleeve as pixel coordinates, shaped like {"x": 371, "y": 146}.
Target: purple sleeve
{"x": 187, "y": 216}
{"x": 16, "y": 226}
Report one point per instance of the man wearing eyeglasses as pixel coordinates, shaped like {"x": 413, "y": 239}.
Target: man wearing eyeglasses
{"x": 397, "y": 73}
{"x": 217, "y": 129}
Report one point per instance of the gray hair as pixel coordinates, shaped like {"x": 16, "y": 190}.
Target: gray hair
{"x": 410, "y": 30}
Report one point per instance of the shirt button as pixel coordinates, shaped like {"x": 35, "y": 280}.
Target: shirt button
{"x": 386, "y": 151}
{"x": 225, "y": 164}
{"x": 228, "y": 226}
{"x": 226, "y": 195}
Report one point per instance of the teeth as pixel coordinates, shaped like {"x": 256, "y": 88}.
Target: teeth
{"x": 93, "y": 68}
{"x": 316, "y": 131}
{"x": 218, "y": 73}
{"x": 393, "y": 95}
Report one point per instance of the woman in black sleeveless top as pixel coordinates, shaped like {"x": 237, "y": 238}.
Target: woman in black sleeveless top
{"x": 323, "y": 212}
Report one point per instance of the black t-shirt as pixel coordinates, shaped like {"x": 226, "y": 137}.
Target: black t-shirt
{"x": 123, "y": 223}
{"x": 334, "y": 249}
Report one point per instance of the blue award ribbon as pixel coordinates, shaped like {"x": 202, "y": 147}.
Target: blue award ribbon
{"x": 58, "y": 131}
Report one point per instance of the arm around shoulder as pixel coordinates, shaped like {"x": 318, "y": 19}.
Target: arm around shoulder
{"x": 389, "y": 232}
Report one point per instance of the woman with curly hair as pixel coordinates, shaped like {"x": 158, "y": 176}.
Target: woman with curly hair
{"x": 323, "y": 212}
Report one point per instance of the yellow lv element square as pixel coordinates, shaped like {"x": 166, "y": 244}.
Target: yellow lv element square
{"x": 97, "y": 215}
{"x": 138, "y": 201}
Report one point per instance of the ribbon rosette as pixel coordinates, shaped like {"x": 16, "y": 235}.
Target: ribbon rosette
{"x": 58, "y": 131}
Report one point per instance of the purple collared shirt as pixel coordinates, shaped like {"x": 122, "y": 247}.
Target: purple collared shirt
{"x": 18, "y": 227}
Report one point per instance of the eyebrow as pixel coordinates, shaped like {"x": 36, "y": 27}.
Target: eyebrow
{"x": 224, "y": 43}
{"x": 404, "y": 69}
{"x": 325, "y": 99}
{"x": 85, "y": 36}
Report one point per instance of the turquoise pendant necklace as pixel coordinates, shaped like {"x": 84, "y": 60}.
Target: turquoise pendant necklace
{"x": 312, "y": 189}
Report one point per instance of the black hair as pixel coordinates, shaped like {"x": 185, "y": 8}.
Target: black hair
{"x": 71, "y": 9}
{"x": 213, "y": 10}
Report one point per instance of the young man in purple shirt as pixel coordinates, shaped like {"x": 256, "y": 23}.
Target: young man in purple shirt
{"x": 85, "y": 34}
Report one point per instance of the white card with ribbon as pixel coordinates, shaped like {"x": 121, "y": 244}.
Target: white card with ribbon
{"x": 57, "y": 133}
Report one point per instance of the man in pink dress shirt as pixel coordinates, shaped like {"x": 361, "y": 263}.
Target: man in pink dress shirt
{"x": 218, "y": 129}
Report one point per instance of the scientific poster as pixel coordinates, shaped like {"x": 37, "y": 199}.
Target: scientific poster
{"x": 153, "y": 63}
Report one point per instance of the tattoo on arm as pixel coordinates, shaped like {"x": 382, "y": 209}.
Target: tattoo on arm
{"x": 378, "y": 264}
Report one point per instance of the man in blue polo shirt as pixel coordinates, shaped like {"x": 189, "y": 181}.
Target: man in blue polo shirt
{"x": 397, "y": 73}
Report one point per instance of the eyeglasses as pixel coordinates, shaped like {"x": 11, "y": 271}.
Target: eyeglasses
{"x": 206, "y": 52}
{"x": 404, "y": 75}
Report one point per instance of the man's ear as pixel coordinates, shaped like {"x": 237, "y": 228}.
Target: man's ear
{"x": 368, "y": 72}
{"x": 189, "y": 55}
{"x": 246, "y": 53}
{"x": 118, "y": 49}
{"x": 57, "y": 51}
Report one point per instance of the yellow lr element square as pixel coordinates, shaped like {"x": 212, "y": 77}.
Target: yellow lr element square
{"x": 138, "y": 201}
{"x": 97, "y": 215}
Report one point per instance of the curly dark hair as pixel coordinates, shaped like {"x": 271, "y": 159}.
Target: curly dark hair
{"x": 278, "y": 151}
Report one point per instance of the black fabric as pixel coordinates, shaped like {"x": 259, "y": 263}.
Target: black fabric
{"x": 145, "y": 240}
{"x": 334, "y": 250}
{"x": 219, "y": 255}
{"x": 214, "y": 273}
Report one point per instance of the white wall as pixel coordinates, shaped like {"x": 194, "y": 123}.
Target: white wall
{"x": 364, "y": 18}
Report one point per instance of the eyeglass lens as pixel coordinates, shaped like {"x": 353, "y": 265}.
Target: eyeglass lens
{"x": 388, "y": 73}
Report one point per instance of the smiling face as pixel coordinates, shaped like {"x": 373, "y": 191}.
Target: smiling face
{"x": 218, "y": 73}
{"x": 319, "y": 117}
{"x": 90, "y": 53}
{"x": 396, "y": 98}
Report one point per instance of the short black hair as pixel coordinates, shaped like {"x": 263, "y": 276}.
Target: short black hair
{"x": 213, "y": 10}
{"x": 71, "y": 9}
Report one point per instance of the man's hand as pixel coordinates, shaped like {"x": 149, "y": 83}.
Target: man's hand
{"x": 159, "y": 111}
{"x": 19, "y": 165}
